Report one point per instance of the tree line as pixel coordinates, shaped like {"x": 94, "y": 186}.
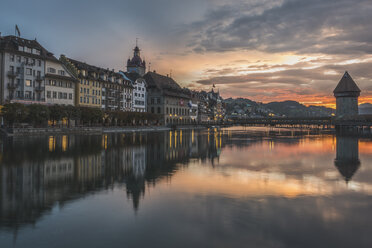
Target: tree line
{"x": 38, "y": 115}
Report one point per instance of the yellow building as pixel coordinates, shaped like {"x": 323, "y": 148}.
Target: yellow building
{"x": 88, "y": 91}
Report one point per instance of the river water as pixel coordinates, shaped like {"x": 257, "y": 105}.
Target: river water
{"x": 236, "y": 187}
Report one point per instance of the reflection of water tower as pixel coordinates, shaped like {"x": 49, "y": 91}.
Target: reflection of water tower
{"x": 347, "y": 156}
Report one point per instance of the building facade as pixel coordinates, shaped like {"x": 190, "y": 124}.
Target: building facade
{"x": 139, "y": 94}
{"x": 168, "y": 99}
{"x": 88, "y": 89}
{"x": 346, "y": 93}
{"x": 22, "y": 70}
{"x": 59, "y": 84}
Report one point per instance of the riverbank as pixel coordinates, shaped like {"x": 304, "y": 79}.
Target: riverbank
{"x": 90, "y": 130}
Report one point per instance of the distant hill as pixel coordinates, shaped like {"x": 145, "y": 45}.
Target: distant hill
{"x": 242, "y": 107}
{"x": 296, "y": 109}
{"x": 365, "y": 109}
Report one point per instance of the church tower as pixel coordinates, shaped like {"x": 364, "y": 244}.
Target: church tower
{"x": 136, "y": 64}
{"x": 346, "y": 93}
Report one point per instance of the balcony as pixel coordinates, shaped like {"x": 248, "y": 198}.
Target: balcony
{"x": 39, "y": 88}
{"x": 12, "y": 74}
{"x": 12, "y": 86}
{"x": 39, "y": 78}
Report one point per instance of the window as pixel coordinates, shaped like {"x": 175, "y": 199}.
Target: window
{"x": 81, "y": 99}
{"x": 64, "y": 95}
{"x": 158, "y": 100}
{"x": 51, "y": 70}
{"x": 11, "y": 57}
{"x": 70, "y": 96}
{"x": 36, "y": 51}
{"x": 87, "y": 99}
{"x": 99, "y": 101}
{"x": 54, "y": 82}
{"x": 20, "y": 48}
{"x": 61, "y": 72}
{"x": 81, "y": 90}
{"x": 152, "y": 101}
{"x": 167, "y": 110}
{"x": 92, "y": 92}
{"x": 39, "y": 62}
{"x": 28, "y": 83}
{"x": 28, "y": 94}
{"x": 19, "y": 59}
{"x": 11, "y": 68}
{"x": 159, "y": 110}
{"x": 60, "y": 83}
{"x": 48, "y": 94}
{"x": 54, "y": 94}
{"x": 28, "y": 71}
{"x": 87, "y": 91}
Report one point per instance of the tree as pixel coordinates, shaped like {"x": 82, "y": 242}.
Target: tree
{"x": 57, "y": 113}
{"x": 14, "y": 113}
{"x": 37, "y": 114}
{"x": 72, "y": 113}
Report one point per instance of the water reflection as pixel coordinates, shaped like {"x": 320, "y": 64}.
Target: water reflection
{"x": 37, "y": 172}
{"x": 347, "y": 156}
{"x": 272, "y": 179}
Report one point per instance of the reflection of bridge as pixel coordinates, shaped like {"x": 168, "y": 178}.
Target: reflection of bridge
{"x": 359, "y": 122}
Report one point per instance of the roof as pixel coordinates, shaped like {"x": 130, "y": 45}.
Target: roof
{"x": 166, "y": 84}
{"x": 91, "y": 68}
{"x": 133, "y": 76}
{"x": 98, "y": 72}
{"x": 346, "y": 85}
{"x": 11, "y": 43}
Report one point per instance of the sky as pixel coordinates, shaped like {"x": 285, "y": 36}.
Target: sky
{"x": 264, "y": 50}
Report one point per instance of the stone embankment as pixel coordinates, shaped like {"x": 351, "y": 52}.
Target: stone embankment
{"x": 89, "y": 130}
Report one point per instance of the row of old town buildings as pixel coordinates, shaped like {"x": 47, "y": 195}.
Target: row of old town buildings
{"x": 30, "y": 74}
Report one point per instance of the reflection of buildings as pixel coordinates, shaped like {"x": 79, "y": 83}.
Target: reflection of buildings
{"x": 58, "y": 170}
{"x": 37, "y": 172}
{"x": 347, "y": 156}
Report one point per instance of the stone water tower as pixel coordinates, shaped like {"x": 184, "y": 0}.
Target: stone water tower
{"x": 346, "y": 93}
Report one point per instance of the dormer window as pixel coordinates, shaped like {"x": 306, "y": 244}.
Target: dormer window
{"x": 36, "y": 51}
{"x": 51, "y": 70}
{"x": 20, "y": 48}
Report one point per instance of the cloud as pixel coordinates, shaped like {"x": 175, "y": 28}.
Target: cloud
{"x": 314, "y": 26}
{"x": 285, "y": 82}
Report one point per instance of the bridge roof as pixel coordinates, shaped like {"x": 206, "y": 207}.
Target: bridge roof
{"x": 346, "y": 84}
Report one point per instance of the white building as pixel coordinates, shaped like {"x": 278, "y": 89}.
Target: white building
{"x": 139, "y": 94}
{"x": 59, "y": 84}
{"x": 22, "y": 70}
